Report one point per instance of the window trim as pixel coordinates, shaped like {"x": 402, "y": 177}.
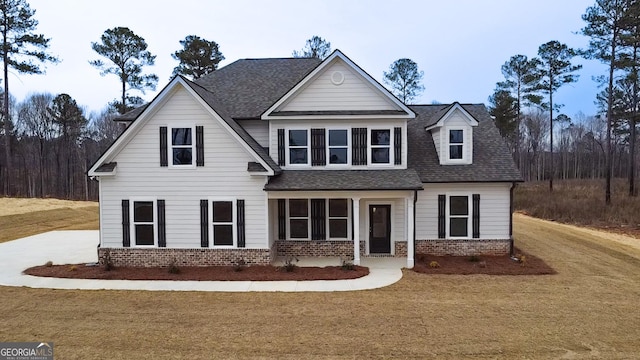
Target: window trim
{"x": 132, "y": 224}
{"x": 469, "y": 215}
{"x": 370, "y": 146}
{"x": 234, "y": 222}
{"x": 464, "y": 144}
{"x": 328, "y": 147}
{"x": 170, "y": 147}
{"x": 329, "y": 218}
{"x": 288, "y": 147}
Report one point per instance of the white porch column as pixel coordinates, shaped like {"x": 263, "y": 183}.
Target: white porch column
{"x": 410, "y": 230}
{"x": 356, "y": 231}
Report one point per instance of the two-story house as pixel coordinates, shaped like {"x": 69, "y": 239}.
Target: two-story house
{"x": 273, "y": 157}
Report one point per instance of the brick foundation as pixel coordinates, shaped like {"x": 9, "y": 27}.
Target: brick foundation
{"x": 343, "y": 248}
{"x": 466, "y": 247}
{"x": 185, "y": 257}
{"x": 401, "y": 249}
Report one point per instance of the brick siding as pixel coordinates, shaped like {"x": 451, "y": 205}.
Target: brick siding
{"x": 185, "y": 257}
{"x": 466, "y": 247}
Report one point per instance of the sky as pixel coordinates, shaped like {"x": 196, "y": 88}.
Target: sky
{"x": 459, "y": 44}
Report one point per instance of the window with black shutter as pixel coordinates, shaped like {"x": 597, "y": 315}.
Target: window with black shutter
{"x": 397, "y": 146}
{"x": 318, "y": 219}
{"x": 162, "y": 233}
{"x": 204, "y": 223}
{"x": 318, "y": 152}
{"x": 282, "y": 219}
{"x": 240, "y": 223}
{"x": 126, "y": 230}
{"x": 442, "y": 224}
{"x": 281, "y": 147}
{"x": 163, "y": 147}
{"x": 359, "y": 146}
{"x": 476, "y": 216}
{"x": 199, "y": 145}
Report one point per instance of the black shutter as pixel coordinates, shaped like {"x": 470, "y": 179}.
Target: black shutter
{"x": 163, "y": 146}
{"x": 126, "y": 230}
{"x": 204, "y": 223}
{"x": 359, "y": 146}
{"x": 476, "y": 216}
{"x": 318, "y": 152}
{"x": 397, "y": 146}
{"x": 240, "y": 223}
{"x": 281, "y": 157}
{"x": 199, "y": 145}
{"x": 318, "y": 224}
{"x": 162, "y": 233}
{"x": 282, "y": 219}
{"x": 442, "y": 208}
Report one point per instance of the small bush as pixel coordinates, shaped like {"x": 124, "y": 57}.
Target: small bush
{"x": 290, "y": 264}
{"x": 239, "y": 265}
{"x": 73, "y": 268}
{"x": 474, "y": 258}
{"x": 482, "y": 264}
{"x": 48, "y": 263}
{"x": 173, "y": 268}
{"x": 347, "y": 265}
{"x": 107, "y": 263}
{"x": 434, "y": 265}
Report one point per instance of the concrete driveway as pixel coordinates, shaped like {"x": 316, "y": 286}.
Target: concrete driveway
{"x": 79, "y": 246}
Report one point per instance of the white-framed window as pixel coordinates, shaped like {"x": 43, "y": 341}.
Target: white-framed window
{"x": 338, "y": 147}
{"x": 459, "y": 216}
{"x": 298, "y": 213}
{"x": 456, "y": 143}
{"x": 338, "y": 219}
{"x": 380, "y": 146}
{"x": 182, "y": 146}
{"x": 298, "y": 141}
{"x": 222, "y": 217}
{"x": 143, "y": 220}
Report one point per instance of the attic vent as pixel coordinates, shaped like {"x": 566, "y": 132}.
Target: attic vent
{"x": 337, "y": 78}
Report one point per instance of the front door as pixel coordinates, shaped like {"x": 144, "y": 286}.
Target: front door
{"x": 379, "y": 229}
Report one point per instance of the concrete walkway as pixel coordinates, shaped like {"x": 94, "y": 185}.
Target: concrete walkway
{"x": 79, "y": 246}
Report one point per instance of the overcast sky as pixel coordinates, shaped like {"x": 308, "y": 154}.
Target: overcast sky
{"x": 459, "y": 44}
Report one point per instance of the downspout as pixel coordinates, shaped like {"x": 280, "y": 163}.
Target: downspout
{"x": 415, "y": 200}
{"x": 513, "y": 186}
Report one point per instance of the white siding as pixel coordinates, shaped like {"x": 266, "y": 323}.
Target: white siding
{"x": 339, "y": 124}
{"x": 225, "y": 175}
{"x": 258, "y": 129}
{"x": 355, "y": 93}
{"x": 494, "y": 208}
{"x": 436, "y": 134}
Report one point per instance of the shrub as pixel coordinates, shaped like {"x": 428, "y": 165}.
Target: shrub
{"x": 48, "y": 263}
{"x": 107, "y": 263}
{"x": 289, "y": 263}
{"x": 239, "y": 265}
{"x": 474, "y": 258}
{"x": 434, "y": 265}
{"x": 73, "y": 268}
{"x": 173, "y": 268}
{"x": 347, "y": 264}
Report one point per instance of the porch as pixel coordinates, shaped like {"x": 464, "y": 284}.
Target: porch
{"x": 353, "y": 215}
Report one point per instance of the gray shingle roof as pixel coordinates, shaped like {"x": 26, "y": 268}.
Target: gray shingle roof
{"x": 248, "y": 87}
{"x": 491, "y": 158}
{"x": 213, "y": 102}
{"x": 356, "y": 180}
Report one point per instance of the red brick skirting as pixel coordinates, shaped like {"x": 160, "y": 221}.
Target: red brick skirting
{"x": 466, "y": 247}
{"x": 185, "y": 257}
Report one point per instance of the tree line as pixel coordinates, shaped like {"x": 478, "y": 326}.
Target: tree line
{"x": 600, "y": 146}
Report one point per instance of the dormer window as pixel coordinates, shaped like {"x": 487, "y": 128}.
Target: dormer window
{"x": 456, "y": 144}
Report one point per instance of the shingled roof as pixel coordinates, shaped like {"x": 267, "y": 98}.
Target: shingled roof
{"x": 491, "y": 158}
{"x": 248, "y": 87}
{"x": 351, "y": 180}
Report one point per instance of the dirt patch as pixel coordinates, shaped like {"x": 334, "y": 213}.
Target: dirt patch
{"x": 202, "y": 273}
{"x": 489, "y": 265}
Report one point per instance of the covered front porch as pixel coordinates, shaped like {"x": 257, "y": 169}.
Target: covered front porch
{"x": 364, "y": 218}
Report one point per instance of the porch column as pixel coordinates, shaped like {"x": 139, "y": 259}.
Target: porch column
{"x": 410, "y": 232}
{"x": 356, "y": 231}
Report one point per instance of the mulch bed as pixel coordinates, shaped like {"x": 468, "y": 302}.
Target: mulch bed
{"x": 489, "y": 265}
{"x": 209, "y": 273}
